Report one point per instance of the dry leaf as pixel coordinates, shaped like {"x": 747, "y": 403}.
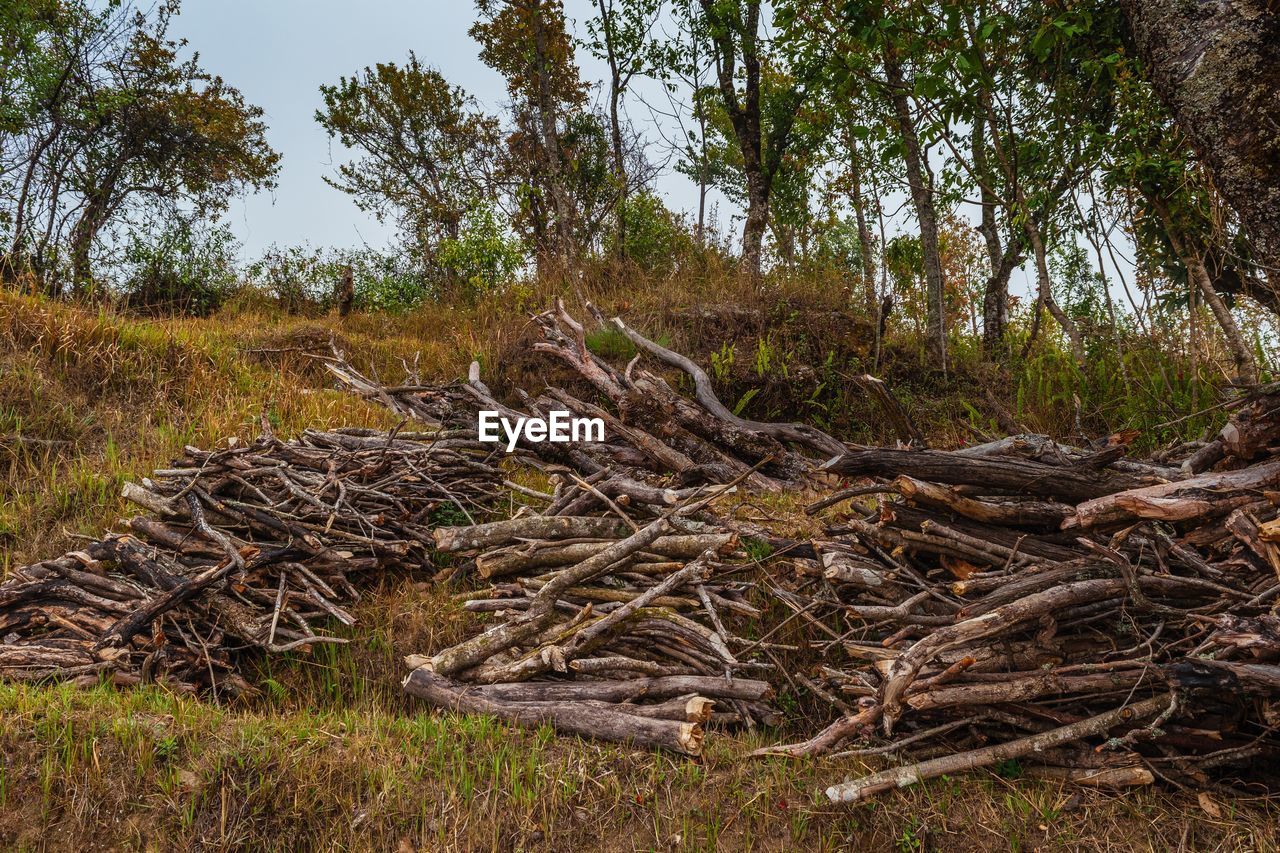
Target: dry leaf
{"x": 1211, "y": 808}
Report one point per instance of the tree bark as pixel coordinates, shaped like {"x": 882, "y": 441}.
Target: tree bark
{"x": 552, "y": 153}
{"x": 615, "y": 94}
{"x": 1044, "y": 285}
{"x": 581, "y": 718}
{"x": 744, "y": 115}
{"x": 1193, "y": 263}
{"x": 921, "y": 183}
{"x": 1003, "y": 260}
{"x": 1217, "y": 67}
{"x": 901, "y": 777}
{"x": 1071, "y": 484}
{"x": 864, "y": 232}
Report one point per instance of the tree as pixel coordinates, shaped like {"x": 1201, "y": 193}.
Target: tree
{"x": 526, "y": 41}
{"x": 881, "y": 55}
{"x": 426, "y": 148}
{"x": 167, "y": 132}
{"x": 1217, "y": 68}
{"x": 1182, "y": 225}
{"x": 762, "y": 129}
{"x": 921, "y": 183}
{"x": 621, "y": 37}
{"x": 122, "y": 124}
{"x": 686, "y": 62}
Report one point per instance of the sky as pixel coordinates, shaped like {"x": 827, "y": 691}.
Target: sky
{"x": 279, "y": 52}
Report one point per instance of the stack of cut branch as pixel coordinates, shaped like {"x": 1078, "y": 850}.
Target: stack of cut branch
{"x": 1038, "y": 596}
{"x": 625, "y": 610}
{"x": 651, "y": 427}
{"x": 1017, "y": 599}
{"x": 1101, "y": 619}
{"x": 254, "y": 546}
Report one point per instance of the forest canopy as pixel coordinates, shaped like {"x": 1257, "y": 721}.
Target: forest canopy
{"x": 1069, "y": 139}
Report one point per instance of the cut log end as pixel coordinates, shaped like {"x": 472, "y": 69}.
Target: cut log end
{"x": 690, "y": 738}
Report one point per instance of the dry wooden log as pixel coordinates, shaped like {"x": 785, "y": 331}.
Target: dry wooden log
{"x": 901, "y": 777}
{"x": 1043, "y": 448}
{"x": 1017, "y": 475}
{"x": 1110, "y": 778}
{"x": 580, "y": 718}
{"x": 629, "y": 690}
{"x": 1255, "y": 426}
{"x": 1198, "y": 498}
{"x": 529, "y": 527}
{"x": 893, "y": 410}
{"x": 539, "y": 615}
{"x": 521, "y": 558}
{"x": 801, "y": 434}
{"x": 1025, "y": 688}
{"x": 1018, "y": 514}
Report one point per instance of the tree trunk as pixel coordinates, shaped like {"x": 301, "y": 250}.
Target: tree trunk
{"x": 1046, "y": 290}
{"x": 552, "y": 153}
{"x": 745, "y": 117}
{"x": 922, "y": 199}
{"x": 995, "y": 298}
{"x": 615, "y": 94}
{"x": 1217, "y": 67}
{"x": 1246, "y": 365}
{"x": 619, "y": 167}
{"x": 1198, "y": 278}
{"x": 82, "y": 236}
{"x": 757, "y": 218}
{"x": 1002, "y": 259}
{"x": 864, "y": 232}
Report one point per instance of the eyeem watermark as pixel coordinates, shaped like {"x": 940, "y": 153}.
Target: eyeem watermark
{"x": 560, "y": 427}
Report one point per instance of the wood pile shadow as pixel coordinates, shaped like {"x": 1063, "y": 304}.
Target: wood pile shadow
{"x": 1100, "y": 619}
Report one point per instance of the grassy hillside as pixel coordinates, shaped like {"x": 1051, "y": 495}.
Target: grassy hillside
{"x": 330, "y": 754}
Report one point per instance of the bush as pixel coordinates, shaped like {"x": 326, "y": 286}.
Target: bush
{"x": 186, "y": 267}
{"x": 484, "y": 257}
{"x": 303, "y": 279}
{"x": 386, "y": 281}
{"x": 656, "y": 239}
{"x": 297, "y": 277}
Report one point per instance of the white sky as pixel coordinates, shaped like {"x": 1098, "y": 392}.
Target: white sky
{"x": 279, "y": 52}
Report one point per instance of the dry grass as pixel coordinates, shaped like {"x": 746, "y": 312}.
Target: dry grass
{"x": 100, "y": 769}
{"x": 330, "y": 755}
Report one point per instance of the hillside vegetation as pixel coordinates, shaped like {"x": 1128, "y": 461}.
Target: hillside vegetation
{"x": 330, "y": 753}
{"x": 90, "y": 396}
{"x": 1025, "y": 216}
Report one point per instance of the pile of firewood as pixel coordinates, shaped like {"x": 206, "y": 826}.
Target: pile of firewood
{"x": 630, "y": 603}
{"x": 1021, "y": 599}
{"x": 251, "y": 547}
{"x": 1097, "y": 618}
{"x": 652, "y": 429}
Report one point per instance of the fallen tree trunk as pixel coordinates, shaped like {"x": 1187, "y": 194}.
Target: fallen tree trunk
{"x": 587, "y": 719}
{"x": 1198, "y": 497}
{"x": 901, "y": 777}
{"x": 1016, "y": 475}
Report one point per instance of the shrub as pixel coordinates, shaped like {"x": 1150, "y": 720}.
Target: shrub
{"x": 297, "y": 277}
{"x": 303, "y": 279}
{"x": 386, "y": 281}
{"x": 484, "y": 257}
{"x": 656, "y": 239}
{"x": 184, "y": 267}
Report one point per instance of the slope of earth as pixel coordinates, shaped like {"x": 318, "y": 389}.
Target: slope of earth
{"x": 330, "y": 755}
